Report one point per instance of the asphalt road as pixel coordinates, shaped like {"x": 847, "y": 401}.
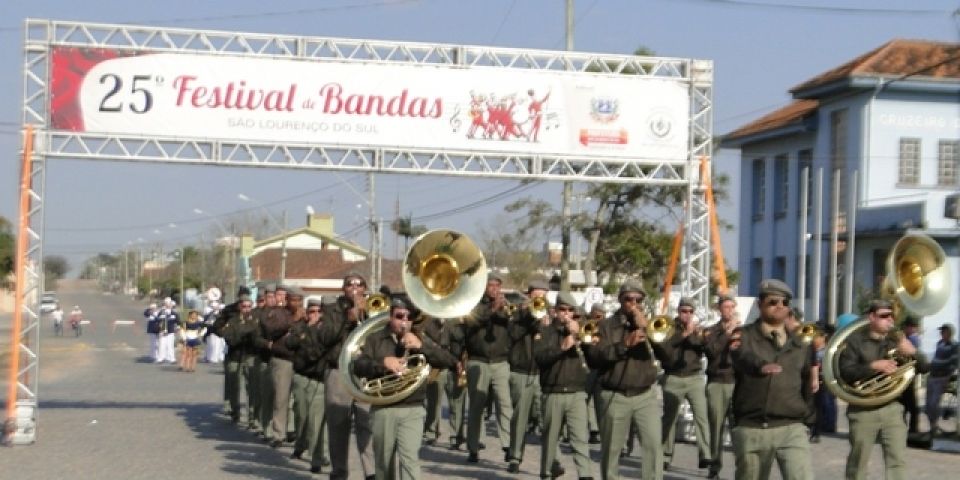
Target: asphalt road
{"x": 107, "y": 413}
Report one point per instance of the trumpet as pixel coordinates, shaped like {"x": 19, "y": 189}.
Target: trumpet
{"x": 376, "y": 304}
{"x": 807, "y": 332}
{"x": 659, "y": 329}
{"x": 589, "y": 332}
{"x": 539, "y": 307}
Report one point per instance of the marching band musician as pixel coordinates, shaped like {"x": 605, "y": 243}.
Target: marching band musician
{"x": 866, "y": 355}
{"x": 398, "y": 427}
{"x": 452, "y": 338}
{"x": 683, "y": 379}
{"x": 169, "y": 321}
{"x": 274, "y": 325}
{"x": 237, "y": 328}
{"x": 771, "y": 399}
{"x": 433, "y": 328}
{"x": 563, "y": 376}
{"x": 487, "y": 343}
{"x": 339, "y": 319}
{"x": 597, "y": 314}
{"x": 263, "y": 409}
{"x": 720, "y": 377}
{"x": 523, "y": 372}
{"x": 153, "y": 331}
{"x": 309, "y": 371}
{"x": 627, "y": 372}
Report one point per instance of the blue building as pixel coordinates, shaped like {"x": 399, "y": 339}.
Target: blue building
{"x": 892, "y": 118}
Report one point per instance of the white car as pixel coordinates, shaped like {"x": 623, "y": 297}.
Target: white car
{"x": 48, "y": 303}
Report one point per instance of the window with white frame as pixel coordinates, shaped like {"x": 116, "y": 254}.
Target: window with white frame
{"x": 759, "y": 193}
{"x": 947, "y": 163}
{"x": 909, "y": 169}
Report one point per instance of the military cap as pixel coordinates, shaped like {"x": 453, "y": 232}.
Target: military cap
{"x": 947, "y": 327}
{"x": 597, "y": 307}
{"x": 772, "y": 286}
{"x": 314, "y": 302}
{"x": 911, "y": 321}
{"x": 283, "y": 287}
{"x": 353, "y": 275}
{"x": 725, "y": 298}
{"x": 494, "y": 277}
{"x": 566, "y": 298}
{"x": 270, "y": 288}
{"x": 399, "y": 303}
{"x": 687, "y": 302}
{"x": 537, "y": 284}
{"x": 879, "y": 304}
{"x": 632, "y": 286}
{"x": 243, "y": 290}
{"x": 296, "y": 292}
{"x": 244, "y": 298}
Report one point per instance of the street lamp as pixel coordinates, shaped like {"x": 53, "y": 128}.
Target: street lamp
{"x": 283, "y": 243}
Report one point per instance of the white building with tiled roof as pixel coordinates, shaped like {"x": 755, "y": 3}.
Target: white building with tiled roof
{"x": 892, "y": 116}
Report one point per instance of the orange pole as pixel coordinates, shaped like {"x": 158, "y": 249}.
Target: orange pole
{"x": 719, "y": 265}
{"x": 671, "y": 269}
{"x": 21, "y": 254}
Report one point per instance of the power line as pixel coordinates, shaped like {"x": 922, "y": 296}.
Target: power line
{"x": 823, "y": 8}
{"x": 274, "y": 13}
{"x": 503, "y": 21}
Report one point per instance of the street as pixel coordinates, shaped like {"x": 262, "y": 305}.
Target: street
{"x": 106, "y": 412}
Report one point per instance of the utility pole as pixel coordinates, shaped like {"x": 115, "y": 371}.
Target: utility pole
{"x": 567, "y": 185}
{"x": 374, "y": 233}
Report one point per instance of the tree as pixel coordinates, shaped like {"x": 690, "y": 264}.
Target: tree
{"x": 54, "y": 268}
{"x": 504, "y": 243}
{"x": 8, "y": 244}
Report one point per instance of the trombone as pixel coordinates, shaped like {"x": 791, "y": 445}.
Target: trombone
{"x": 376, "y": 304}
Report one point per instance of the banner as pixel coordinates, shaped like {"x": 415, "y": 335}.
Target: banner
{"x": 410, "y": 106}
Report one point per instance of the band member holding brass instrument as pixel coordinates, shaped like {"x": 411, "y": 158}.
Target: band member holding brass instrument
{"x": 771, "y": 399}
{"x": 488, "y": 344}
{"x": 627, "y": 371}
{"x": 274, "y": 325}
{"x": 597, "y": 315}
{"x": 454, "y": 381}
{"x": 398, "y": 427}
{"x": 309, "y": 372}
{"x": 237, "y": 328}
{"x": 720, "y": 377}
{"x": 432, "y": 328}
{"x": 523, "y": 370}
{"x": 683, "y": 379}
{"x": 339, "y": 319}
{"x": 559, "y": 355}
{"x": 868, "y": 354}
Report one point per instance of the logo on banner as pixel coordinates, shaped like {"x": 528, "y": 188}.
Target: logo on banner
{"x": 604, "y": 109}
{"x": 660, "y": 125}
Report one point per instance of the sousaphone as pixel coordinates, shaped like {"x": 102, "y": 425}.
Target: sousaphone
{"x": 917, "y": 283}
{"x": 444, "y": 274}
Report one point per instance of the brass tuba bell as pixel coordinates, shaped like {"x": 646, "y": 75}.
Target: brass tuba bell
{"x": 917, "y": 275}
{"x": 444, "y": 273}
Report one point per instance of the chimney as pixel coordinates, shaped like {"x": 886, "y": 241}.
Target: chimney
{"x": 321, "y": 223}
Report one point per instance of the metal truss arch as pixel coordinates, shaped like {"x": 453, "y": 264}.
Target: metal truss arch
{"x": 40, "y": 36}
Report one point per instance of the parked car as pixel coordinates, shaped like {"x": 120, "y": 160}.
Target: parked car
{"x": 48, "y": 302}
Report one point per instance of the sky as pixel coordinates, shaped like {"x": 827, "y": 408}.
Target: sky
{"x": 760, "y": 49}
